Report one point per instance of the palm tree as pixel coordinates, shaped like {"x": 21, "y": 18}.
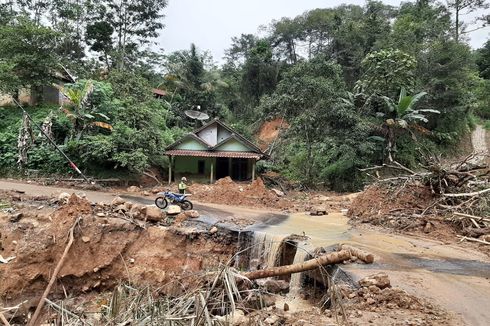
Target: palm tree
{"x": 78, "y": 109}
{"x": 403, "y": 116}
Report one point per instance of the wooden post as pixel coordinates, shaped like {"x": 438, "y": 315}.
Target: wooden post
{"x": 170, "y": 170}
{"x": 211, "y": 178}
{"x": 253, "y": 169}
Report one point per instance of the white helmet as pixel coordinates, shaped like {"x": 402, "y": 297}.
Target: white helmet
{"x": 184, "y": 179}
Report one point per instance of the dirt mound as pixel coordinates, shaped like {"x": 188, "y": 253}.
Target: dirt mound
{"x": 106, "y": 251}
{"x": 226, "y": 191}
{"x": 377, "y": 202}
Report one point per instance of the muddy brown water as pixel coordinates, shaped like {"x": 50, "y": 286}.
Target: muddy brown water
{"x": 456, "y": 278}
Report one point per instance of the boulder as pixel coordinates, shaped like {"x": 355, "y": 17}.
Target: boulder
{"x": 380, "y": 280}
{"x": 173, "y": 210}
{"x": 133, "y": 189}
{"x": 146, "y": 193}
{"x": 276, "y": 286}
{"x": 213, "y": 230}
{"x": 154, "y": 214}
{"x": 181, "y": 217}
{"x": 318, "y": 211}
{"x": 128, "y": 205}
{"x": 117, "y": 201}
{"x": 63, "y": 197}
{"x": 278, "y": 193}
{"x": 192, "y": 213}
{"x": 138, "y": 212}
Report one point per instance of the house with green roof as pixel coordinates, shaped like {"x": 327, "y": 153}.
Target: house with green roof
{"x": 212, "y": 152}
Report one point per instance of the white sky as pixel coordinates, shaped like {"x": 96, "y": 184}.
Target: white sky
{"x": 211, "y": 24}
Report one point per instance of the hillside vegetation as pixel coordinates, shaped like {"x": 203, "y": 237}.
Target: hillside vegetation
{"x": 357, "y": 85}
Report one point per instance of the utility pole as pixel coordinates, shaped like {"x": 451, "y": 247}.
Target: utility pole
{"x": 72, "y": 165}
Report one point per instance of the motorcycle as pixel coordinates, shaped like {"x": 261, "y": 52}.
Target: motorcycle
{"x": 163, "y": 199}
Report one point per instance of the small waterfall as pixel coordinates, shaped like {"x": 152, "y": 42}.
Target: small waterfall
{"x": 302, "y": 252}
{"x": 265, "y": 250}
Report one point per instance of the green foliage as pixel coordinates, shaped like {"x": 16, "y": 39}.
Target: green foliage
{"x": 388, "y": 71}
{"x": 26, "y": 55}
{"x": 483, "y": 61}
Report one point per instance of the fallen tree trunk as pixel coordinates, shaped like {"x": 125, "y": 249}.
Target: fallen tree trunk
{"x": 360, "y": 254}
{"x": 57, "y": 269}
{"x": 327, "y": 259}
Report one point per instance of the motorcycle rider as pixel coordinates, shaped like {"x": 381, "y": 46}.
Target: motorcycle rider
{"x": 182, "y": 185}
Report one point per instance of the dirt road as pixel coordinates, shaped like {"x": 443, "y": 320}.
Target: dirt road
{"x": 478, "y": 140}
{"x": 211, "y": 213}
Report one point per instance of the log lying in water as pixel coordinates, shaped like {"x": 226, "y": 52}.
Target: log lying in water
{"x": 327, "y": 259}
{"x": 362, "y": 255}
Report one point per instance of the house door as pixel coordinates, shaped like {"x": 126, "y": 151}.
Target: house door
{"x": 222, "y": 167}
{"x": 239, "y": 167}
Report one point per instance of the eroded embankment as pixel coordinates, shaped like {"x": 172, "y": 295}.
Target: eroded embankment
{"x": 106, "y": 251}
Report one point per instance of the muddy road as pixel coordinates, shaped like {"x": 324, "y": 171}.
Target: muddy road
{"x": 454, "y": 277}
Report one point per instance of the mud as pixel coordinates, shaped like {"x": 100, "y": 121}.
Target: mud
{"x": 106, "y": 251}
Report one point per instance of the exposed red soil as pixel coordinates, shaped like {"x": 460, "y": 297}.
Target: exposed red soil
{"x": 105, "y": 252}
{"x": 269, "y": 131}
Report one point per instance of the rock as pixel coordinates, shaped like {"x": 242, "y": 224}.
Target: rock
{"x": 16, "y": 217}
{"x": 276, "y": 286}
{"x": 63, "y": 197}
{"x": 192, "y": 213}
{"x": 428, "y": 227}
{"x": 278, "y": 193}
{"x": 133, "y": 189}
{"x": 370, "y": 301}
{"x": 138, "y": 212}
{"x": 213, "y": 230}
{"x": 173, "y": 210}
{"x": 285, "y": 307}
{"x": 120, "y": 208}
{"x": 271, "y": 320}
{"x": 85, "y": 239}
{"x": 156, "y": 190}
{"x": 146, "y": 193}
{"x": 181, "y": 217}
{"x": 40, "y": 207}
{"x": 380, "y": 280}
{"x": 318, "y": 211}
{"x": 485, "y": 237}
{"x": 128, "y": 206}
{"x": 154, "y": 214}
{"x": 117, "y": 201}
{"x": 100, "y": 214}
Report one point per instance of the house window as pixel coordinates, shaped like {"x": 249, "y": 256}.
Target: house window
{"x": 200, "y": 166}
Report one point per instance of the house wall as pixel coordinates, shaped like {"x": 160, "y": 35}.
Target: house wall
{"x": 51, "y": 95}
{"x": 209, "y": 135}
{"x": 25, "y": 98}
{"x": 191, "y": 144}
{"x": 223, "y": 134}
{"x": 187, "y": 166}
{"x": 234, "y": 146}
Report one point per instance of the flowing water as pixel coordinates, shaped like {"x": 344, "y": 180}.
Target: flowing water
{"x": 427, "y": 268}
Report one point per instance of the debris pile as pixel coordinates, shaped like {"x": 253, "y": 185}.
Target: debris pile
{"x": 456, "y": 194}
{"x": 226, "y": 191}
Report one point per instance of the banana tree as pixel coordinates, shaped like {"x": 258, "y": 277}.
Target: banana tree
{"x": 79, "y": 111}
{"x": 403, "y": 116}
